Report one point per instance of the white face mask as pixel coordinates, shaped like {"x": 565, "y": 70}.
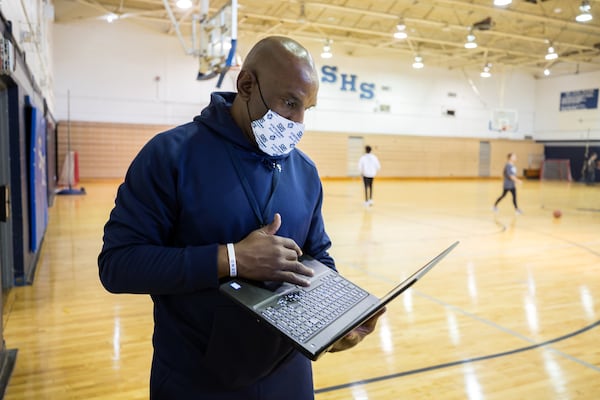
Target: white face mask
{"x": 276, "y": 135}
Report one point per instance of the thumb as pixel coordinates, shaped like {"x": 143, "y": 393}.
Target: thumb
{"x": 273, "y": 227}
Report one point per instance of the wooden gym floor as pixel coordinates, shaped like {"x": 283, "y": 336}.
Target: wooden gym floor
{"x": 512, "y": 313}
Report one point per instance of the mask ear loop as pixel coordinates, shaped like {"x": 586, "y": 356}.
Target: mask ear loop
{"x": 260, "y": 93}
{"x": 248, "y": 109}
{"x": 261, "y": 98}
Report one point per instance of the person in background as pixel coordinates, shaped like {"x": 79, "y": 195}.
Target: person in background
{"x": 219, "y": 197}
{"x": 368, "y": 165}
{"x": 509, "y": 182}
{"x": 590, "y": 168}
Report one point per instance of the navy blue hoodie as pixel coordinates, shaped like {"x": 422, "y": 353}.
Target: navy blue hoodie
{"x": 181, "y": 198}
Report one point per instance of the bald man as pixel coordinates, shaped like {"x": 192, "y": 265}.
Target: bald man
{"x": 222, "y": 196}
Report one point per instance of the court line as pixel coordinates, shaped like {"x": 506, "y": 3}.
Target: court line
{"x": 588, "y": 209}
{"x": 467, "y": 360}
{"x": 518, "y": 335}
{"x": 579, "y": 245}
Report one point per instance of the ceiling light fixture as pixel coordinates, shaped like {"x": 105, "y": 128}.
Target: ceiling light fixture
{"x": 470, "y": 43}
{"x": 586, "y": 14}
{"x": 546, "y": 72}
{"x": 502, "y": 2}
{"x": 400, "y": 35}
{"x": 184, "y": 4}
{"x": 551, "y": 55}
{"x": 111, "y": 17}
{"x": 485, "y": 73}
{"x": 418, "y": 64}
{"x": 327, "y": 49}
{"x": 401, "y": 30}
{"x": 401, "y": 25}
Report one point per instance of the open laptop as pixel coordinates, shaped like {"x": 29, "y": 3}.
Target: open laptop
{"x": 313, "y": 318}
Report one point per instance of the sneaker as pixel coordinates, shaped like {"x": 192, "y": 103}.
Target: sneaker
{"x": 495, "y": 209}
{"x": 518, "y": 212}
{"x": 370, "y": 202}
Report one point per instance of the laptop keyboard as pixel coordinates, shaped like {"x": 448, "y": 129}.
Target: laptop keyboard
{"x": 302, "y": 314}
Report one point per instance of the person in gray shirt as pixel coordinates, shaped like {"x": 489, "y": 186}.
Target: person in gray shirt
{"x": 591, "y": 166}
{"x": 510, "y": 181}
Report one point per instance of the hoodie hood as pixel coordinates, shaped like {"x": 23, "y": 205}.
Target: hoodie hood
{"x": 217, "y": 117}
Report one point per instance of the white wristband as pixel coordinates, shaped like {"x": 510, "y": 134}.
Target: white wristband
{"x": 232, "y": 264}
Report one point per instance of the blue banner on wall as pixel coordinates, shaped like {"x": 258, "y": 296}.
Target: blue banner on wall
{"x": 38, "y": 194}
{"x": 579, "y": 100}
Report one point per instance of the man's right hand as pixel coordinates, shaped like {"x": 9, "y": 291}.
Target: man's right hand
{"x": 264, "y": 256}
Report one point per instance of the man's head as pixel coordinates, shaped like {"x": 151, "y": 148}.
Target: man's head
{"x": 368, "y": 149}
{"x": 278, "y": 74}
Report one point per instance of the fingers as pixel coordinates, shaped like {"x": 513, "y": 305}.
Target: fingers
{"x": 347, "y": 342}
{"x": 293, "y": 278}
{"x": 295, "y": 272}
{"x": 356, "y": 336}
{"x": 262, "y": 255}
{"x": 369, "y": 325}
{"x": 289, "y": 244}
{"x": 274, "y": 226}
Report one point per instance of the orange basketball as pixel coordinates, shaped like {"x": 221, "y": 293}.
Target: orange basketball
{"x": 557, "y": 214}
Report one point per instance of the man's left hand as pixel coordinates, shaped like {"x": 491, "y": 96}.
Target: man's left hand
{"x": 355, "y": 336}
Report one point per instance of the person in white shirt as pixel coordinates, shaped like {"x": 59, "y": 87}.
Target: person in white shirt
{"x": 368, "y": 166}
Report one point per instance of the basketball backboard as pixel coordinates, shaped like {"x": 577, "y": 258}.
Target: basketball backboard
{"x": 217, "y": 41}
{"x": 503, "y": 120}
